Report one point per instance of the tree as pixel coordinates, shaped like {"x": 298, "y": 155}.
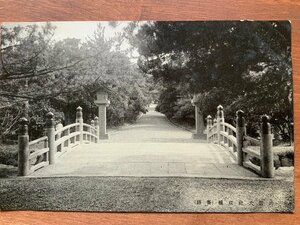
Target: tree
{"x": 239, "y": 64}
{"x": 39, "y": 74}
{"x": 33, "y": 69}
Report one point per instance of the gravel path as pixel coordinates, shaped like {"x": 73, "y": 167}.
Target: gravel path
{"x": 146, "y": 194}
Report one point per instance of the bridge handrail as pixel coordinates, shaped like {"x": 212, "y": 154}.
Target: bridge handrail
{"x": 251, "y": 152}
{"x": 55, "y": 143}
{"x": 229, "y": 142}
{"x": 229, "y": 137}
{"x": 248, "y": 154}
{"x": 90, "y": 127}
{"x": 39, "y": 155}
{"x": 66, "y": 128}
{"x": 252, "y": 141}
{"x": 89, "y": 133}
{"x": 211, "y": 131}
{"x": 212, "y": 127}
{"x": 229, "y": 126}
{"x": 236, "y": 140}
{"x": 38, "y": 152}
{"x": 37, "y": 141}
{"x": 38, "y": 166}
{"x": 66, "y": 138}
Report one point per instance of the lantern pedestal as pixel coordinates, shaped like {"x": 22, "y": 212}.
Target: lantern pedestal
{"x": 198, "y": 120}
{"x": 197, "y": 136}
{"x": 102, "y": 103}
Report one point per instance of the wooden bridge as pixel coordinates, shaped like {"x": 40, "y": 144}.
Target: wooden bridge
{"x": 151, "y": 147}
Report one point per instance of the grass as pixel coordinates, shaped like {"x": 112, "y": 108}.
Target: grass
{"x": 9, "y": 155}
{"x": 8, "y": 171}
{"x": 283, "y": 156}
{"x": 8, "y": 160}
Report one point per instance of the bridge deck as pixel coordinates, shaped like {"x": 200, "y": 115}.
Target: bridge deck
{"x": 151, "y": 147}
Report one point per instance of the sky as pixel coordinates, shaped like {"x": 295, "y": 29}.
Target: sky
{"x": 81, "y": 30}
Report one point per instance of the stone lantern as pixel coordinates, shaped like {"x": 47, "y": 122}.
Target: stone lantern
{"x": 102, "y": 102}
{"x": 196, "y": 101}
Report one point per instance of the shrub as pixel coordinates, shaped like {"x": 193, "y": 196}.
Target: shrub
{"x": 283, "y": 157}
{"x": 9, "y": 155}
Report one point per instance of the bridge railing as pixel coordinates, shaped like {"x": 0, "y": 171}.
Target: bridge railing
{"x": 244, "y": 149}
{"x": 227, "y": 136}
{"x": 39, "y": 154}
{"x": 43, "y": 151}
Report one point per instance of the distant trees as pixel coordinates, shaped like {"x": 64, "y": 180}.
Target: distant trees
{"x": 33, "y": 70}
{"x": 38, "y": 74}
{"x": 239, "y": 64}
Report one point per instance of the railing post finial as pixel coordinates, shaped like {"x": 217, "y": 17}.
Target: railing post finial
{"x": 215, "y": 121}
{"x": 23, "y": 126}
{"x": 50, "y": 120}
{"x": 23, "y": 148}
{"x": 220, "y": 113}
{"x": 50, "y": 130}
{"x": 240, "y": 118}
{"x": 266, "y": 127}
{"x": 209, "y": 120}
{"x": 78, "y": 113}
{"x": 266, "y": 151}
{"x": 96, "y": 119}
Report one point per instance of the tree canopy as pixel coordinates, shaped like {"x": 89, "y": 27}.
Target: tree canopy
{"x": 40, "y": 74}
{"x": 238, "y": 64}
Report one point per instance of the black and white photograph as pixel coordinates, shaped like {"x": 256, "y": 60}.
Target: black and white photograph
{"x": 147, "y": 116}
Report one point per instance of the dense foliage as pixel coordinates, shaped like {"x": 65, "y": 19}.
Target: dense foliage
{"x": 39, "y": 74}
{"x": 238, "y": 64}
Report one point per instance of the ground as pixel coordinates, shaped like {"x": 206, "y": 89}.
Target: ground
{"x": 149, "y": 166}
{"x": 146, "y": 194}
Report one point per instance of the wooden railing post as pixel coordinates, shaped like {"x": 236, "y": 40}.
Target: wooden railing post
{"x": 67, "y": 133}
{"x": 97, "y": 128}
{"x": 79, "y": 119}
{"x": 215, "y": 131}
{"x": 92, "y": 131}
{"x": 46, "y": 159}
{"x": 50, "y": 130}
{"x": 23, "y": 148}
{"x": 240, "y": 130}
{"x": 229, "y": 131}
{"x": 208, "y": 126}
{"x": 220, "y": 119}
{"x": 266, "y": 149}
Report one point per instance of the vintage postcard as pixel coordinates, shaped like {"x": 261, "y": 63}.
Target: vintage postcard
{"x": 147, "y": 116}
